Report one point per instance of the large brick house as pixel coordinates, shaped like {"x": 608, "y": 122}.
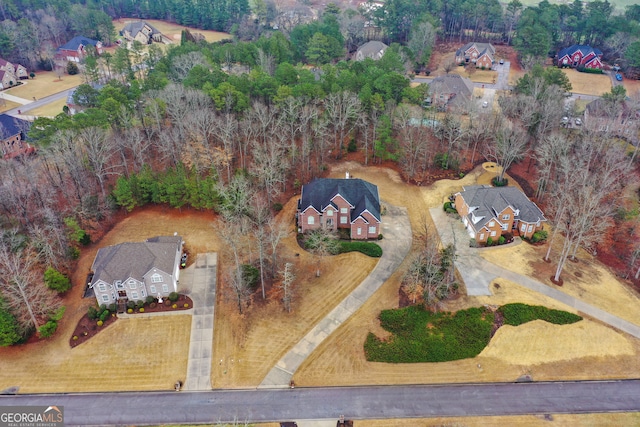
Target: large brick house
{"x": 489, "y": 212}
{"x": 450, "y": 90}
{"x": 347, "y": 203}
{"x": 143, "y": 32}
{"x": 11, "y": 73}
{"x": 481, "y": 54}
{"x": 77, "y": 48}
{"x": 134, "y": 270}
{"x": 579, "y": 56}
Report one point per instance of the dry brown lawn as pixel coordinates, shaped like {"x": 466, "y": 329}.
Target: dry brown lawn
{"x": 44, "y": 84}
{"x": 632, "y": 86}
{"x": 515, "y": 75}
{"x": 174, "y": 31}
{"x": 575, "y": 420}
{"x": 6, "y": 105}
{"x": 131, "y": 354}
{"x": 51, "y": 109}
{"x": 539, "y": 349}
{"x": 478, "y": 76}
{"x": 587, "y": 83}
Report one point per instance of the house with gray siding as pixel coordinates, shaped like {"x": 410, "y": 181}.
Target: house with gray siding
{"x": 133, "y": 271}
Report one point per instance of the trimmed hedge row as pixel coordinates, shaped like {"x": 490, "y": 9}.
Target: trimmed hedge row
{"x": 422, "y": 336}
{"x": 517, "y": 314}
{"x": 367, "y": 248}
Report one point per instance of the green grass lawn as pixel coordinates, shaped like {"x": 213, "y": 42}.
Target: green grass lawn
{"x": 367, "y": 248}
{"x": 420, "y": 336}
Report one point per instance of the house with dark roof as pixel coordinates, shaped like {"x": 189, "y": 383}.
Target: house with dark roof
{"x": 489, "y": 212}
{"x": 372, "y": 49}
{"x": 579, "y": 56}
{"x": 77, "y": 48}
{"x": 143, "y": 32}
{"x": 347, "y": 203}
{"x": 133, "y": 271}
{"x": 13, "y": 135}
{"x": 481, "y": 54}
{"x": 450, "y": 90}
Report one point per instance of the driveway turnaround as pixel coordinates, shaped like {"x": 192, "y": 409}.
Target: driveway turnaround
{"x": 99, "y": 409}
{"x": 202, "y": 275}
{"x": 396, "y": 230}
{"x": 478, "y": 273}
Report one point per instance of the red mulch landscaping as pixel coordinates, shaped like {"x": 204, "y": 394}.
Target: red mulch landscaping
{"x": 87, "y": 328}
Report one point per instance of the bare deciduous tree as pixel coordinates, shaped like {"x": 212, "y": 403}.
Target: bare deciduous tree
{"x": 287, "y": 285}
{"x": 508, "y": 145}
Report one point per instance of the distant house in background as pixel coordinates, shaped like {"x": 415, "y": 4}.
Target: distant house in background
{"x": 353, "y": 204}
{"x": 11, "y": 73}
{"x": 77, "y": 48}
{"x": 490, "y": 212}
{"x": 13, "y": 133}
{"x": 134, "y": 271}
{"x": 143, "y": 32}
{"x": 373, "y": 49}
{"x": 450, "y": 90}
{"x": 578, "y": 56}
{"x": 481, "y": 54}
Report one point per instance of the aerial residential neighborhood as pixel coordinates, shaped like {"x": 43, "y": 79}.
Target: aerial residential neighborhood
{"x": 351, "y": 213}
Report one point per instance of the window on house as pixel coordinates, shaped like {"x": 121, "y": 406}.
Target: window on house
{"x": 311, "y": 220}
{"x": 102, "y": 288}
{"x": 134, "y": 295}
{"x": 329, "y": 222}
{"x": 372, "y": 229}
{"x": 505, "y": 226}
{"x": 343, "y": 220}
{"x": 105, "y": 298}
{"x": 119, "y": 284}
{"x": 481, "y": 236}
{"x": 329, "y": 212}
{"x": 523, "y": 228}
{"x": 343, "y": 210}
{"x": 506, "y": 217}
{"x": 143, "y": 292}
{"x": 165, "y": 288}
{"x": 132, "y": 284}
{"x": 530, "y": 229}
{"x": 359, "y": 231}
{"x": 492, "y": 223}
{"x": 152, "y": 289}
{"x": 156, "y": 278}
{"x": 493, "y": 234}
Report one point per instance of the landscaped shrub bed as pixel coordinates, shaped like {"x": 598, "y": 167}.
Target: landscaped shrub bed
{"x": 422, "y": 336}
{"x": 367, "y": 248}
{"x": 517, "y": 313}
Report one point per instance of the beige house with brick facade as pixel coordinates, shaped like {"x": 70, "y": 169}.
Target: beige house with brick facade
{"x": 489, "y": 212}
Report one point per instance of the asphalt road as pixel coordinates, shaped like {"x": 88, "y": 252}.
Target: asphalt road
{"x": 155, "y": 408}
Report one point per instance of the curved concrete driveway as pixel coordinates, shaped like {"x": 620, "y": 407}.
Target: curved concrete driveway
{"x": 478, "y": 273}
{"x": 396, "y": 230}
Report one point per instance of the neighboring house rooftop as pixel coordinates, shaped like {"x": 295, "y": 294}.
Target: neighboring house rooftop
{"x": 452, "y": 84}
{"x": 361, "y": 194}
{"x": 119, "y": 262}
{"x": 585, "y": 49}
{"x": 10, "y": 126}
{"x": 373, "y": 49}
{"x": 135, "y": 27}
{"x": 481, "y": 47}
{"x": 78, "y": 41}
{"x": 490, "y": 201}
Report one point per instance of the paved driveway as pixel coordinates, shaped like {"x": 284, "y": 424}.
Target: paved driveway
{"x": 478, "y": 273}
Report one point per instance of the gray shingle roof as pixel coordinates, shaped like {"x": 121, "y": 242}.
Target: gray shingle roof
{"x": 361, "y": 194}
{"x": 452, "y": 83}
{"x": 482, "y": 48}
{"x": 10, "y": 126}
{"x": 490, "y": 201}
{"x": 372, "y": 48}
{"x": 135, "y": 259}
{"x": 135, "y": 27}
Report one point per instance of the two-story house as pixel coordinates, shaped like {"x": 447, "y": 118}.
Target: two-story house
{"x": 489, "y": 212}
{"x": 372, "y": 49}
{"x": 450, "y": 90}
{"x": 481, "y": 54}
{"x": 143, "y": 32}
{"x": 578, "y": 56}
{"x": 13, "y": 134}
{"x": 10, "y": 73}
{"x": 348, "y": 203}
{"x": 77, "y": 48}
{"x": 134, "y": 270}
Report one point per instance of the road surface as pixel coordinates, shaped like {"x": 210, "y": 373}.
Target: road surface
{"x": 92, "y": 409}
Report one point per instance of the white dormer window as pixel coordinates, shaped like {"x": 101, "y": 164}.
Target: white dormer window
{"x": 119, "y": 284}
{"x": 329, "y": 212}
{"x": 492, "y": 223}
{"x": 311, "y": 220}
{"x": 343, "y": 210}
{"x": 506, "y": 217}
{"x": 156, "y": 278}
{"x": 102, "y": 287}
{"x": 132, "y": 284}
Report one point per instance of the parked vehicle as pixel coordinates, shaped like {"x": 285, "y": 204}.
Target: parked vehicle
{"x": 485, "y": 104}
{"x": 619, "y": 77}
{"x": 501, "y": 61}
{"x": 565, "y": 120}
{"x": 578, "y": 122}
